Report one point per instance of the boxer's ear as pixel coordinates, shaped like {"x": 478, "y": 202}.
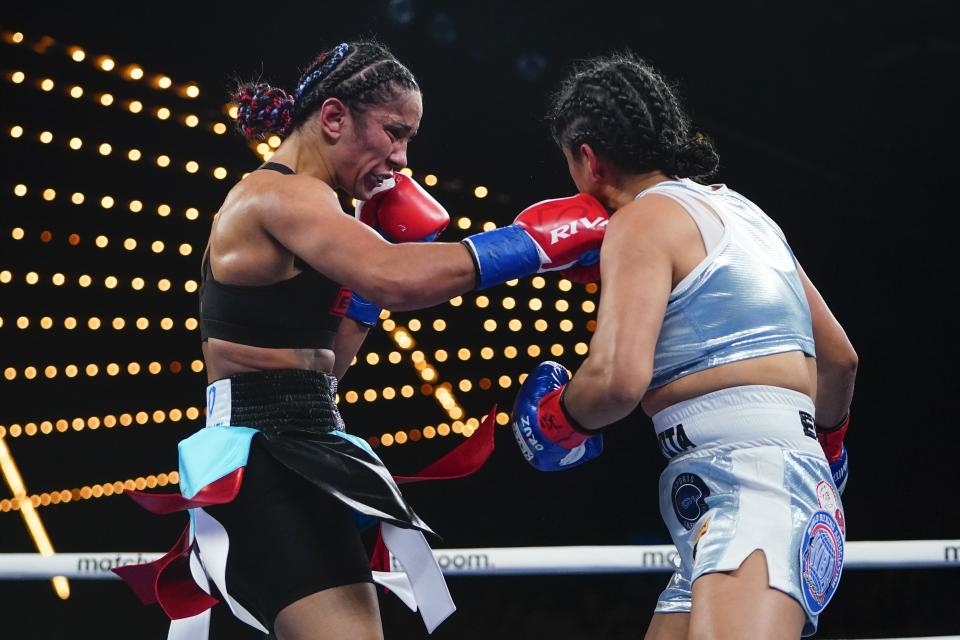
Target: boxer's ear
{"x": 333, "y": 116}
{"x": 598, "y": 168}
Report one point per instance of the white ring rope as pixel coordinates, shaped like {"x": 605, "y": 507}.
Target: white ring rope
{"x": 894, "y": 554}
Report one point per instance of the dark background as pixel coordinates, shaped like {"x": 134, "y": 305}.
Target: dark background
{"x": 839, "y": 119}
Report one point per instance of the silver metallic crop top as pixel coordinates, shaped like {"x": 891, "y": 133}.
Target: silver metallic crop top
{"x": 744, "y": 300}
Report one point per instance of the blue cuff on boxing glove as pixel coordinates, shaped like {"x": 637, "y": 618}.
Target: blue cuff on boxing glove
{"x": 529, "y": 424}
{"x": 840, "y": 470}
{"x": 362, "y": 310}
{"x": 503, "y": 254}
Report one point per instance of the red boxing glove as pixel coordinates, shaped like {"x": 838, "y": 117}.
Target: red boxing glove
{"x": 566, "y": 230}
{"x": 402, "y": 211}
{"x": 556, "y": 424}
{"x": 831, "y": 439}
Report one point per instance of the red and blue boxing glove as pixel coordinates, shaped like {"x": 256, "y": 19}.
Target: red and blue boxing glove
{"x": 563, "y": 234}
{"x": 553, "y": 235}
{"x": 831, "y": 440}
{"x": 549, "y": 438}
{"x": 401, "y": 211}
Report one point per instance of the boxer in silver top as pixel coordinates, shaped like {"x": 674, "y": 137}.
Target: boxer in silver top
{"x": 707, "y": 321}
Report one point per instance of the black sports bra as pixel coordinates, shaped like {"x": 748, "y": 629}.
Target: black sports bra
{"x": 302, "y": 312}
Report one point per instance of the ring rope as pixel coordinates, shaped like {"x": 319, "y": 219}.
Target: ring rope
{"x": 892, "y": 554}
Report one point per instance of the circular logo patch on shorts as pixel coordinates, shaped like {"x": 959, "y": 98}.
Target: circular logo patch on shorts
{"x": 821, "y": 561}
{"x": 688, "y": 497}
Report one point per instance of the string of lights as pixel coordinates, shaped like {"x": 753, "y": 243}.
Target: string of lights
{"x": 88, "y": 492}
{"x": 92, "y": 369}
{"x": 47, "y": 85}
{"x": 49, "y": 194}
{"x": 106, "y": 149}
{"x": 105, "y": 63}
{"x": 92, "y": 423}
{"x": 465, "y": 428}
{"x": 85, "y": 280}
{"x": 102, "y": 241}
{"x": 94, "y": 323}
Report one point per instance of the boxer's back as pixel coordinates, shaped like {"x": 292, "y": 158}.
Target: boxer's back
{"x": 744, "y": 300}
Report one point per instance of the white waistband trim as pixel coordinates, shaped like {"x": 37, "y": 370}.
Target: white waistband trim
{"x": 219, "y": 403}
{"x": 754, "y": 414}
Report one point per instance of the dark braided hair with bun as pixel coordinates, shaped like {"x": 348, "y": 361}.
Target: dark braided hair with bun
{"x": 359, "y": 74}
{"x": 629, "y": 115}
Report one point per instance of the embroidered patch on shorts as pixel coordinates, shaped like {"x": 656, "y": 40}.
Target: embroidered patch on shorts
{"x": 688, "y": 497}
{"x": 829, "y": 501}
{"x": 821, "y": 561}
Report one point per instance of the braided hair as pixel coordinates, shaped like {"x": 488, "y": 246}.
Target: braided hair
{"x": 359, "y": 74}
{"x": 629, "y": 115}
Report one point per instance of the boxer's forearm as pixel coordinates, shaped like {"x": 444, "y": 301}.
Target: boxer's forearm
{"x": 597, "y": 396}
{"x": 834, "y": 390}
{"x": 412, "y": 276}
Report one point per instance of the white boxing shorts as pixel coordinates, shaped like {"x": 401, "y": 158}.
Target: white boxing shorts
{"x": 746, "y": 472}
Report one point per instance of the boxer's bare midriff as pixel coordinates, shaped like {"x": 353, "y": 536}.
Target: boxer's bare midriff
{"x": 792, "y": 370}
{"x": 224, "y": 359}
